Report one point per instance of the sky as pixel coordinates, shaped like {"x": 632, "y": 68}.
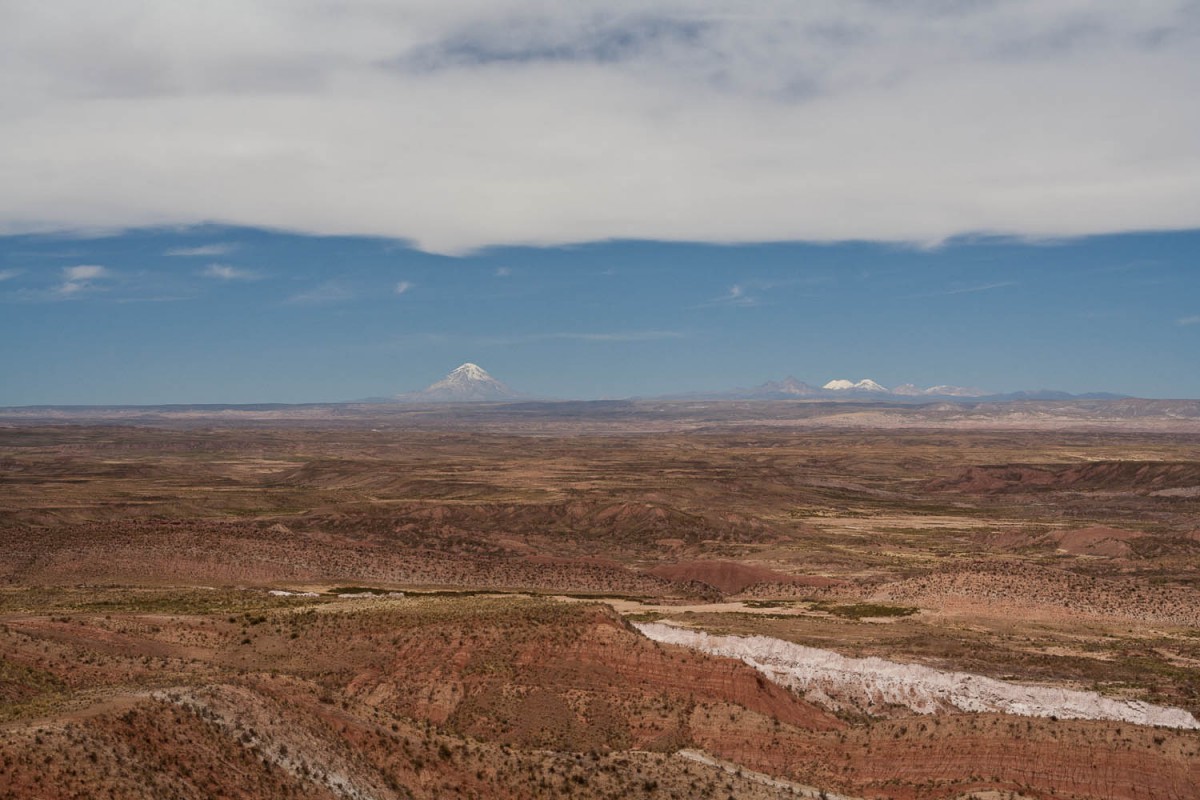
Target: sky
{"x": 267, "y": 201}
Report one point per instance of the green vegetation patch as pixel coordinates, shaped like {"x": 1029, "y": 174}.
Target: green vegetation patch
{"x": 864, "y": 610}
{"x": 767, "y": 604}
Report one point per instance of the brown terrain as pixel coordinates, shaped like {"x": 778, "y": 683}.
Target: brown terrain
{"x": 347, "y": 602}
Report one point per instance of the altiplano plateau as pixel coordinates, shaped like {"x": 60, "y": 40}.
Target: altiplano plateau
{"x": 510, "y": 601}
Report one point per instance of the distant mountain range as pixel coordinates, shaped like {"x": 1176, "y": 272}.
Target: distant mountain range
{"x": 840, "y": 387}
{"x": 867, "y": 389}
{"x": 470, "y": 383}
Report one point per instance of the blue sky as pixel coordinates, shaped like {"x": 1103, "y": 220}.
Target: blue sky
{"x": 217, "y": 314}
{"x": 249, "y": 200}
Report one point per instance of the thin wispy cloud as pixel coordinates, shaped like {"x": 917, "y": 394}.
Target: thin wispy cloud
{"x": 1192, "y": 320}
{"x": 324, "y": 294}
{"x": 956, "y": 290}
{"x": 983, "y": 287}
{"x": 735, "y": 296}
{"x": 206, "y": 250}
{"x": 403, "y": 287}
{"x": 81, "y": 278}
{"x": 9, "y": 274}
{"x": 224, "y": 272}
{"x": 503, "y": 272}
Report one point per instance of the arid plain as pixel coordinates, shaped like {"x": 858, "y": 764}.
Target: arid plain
{"x": 506, "y": 601}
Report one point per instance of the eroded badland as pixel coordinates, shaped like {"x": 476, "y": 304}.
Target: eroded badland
{"x": 453, "y": 603}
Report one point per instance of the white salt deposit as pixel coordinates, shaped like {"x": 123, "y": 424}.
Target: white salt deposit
{"x": 871, "y": 684}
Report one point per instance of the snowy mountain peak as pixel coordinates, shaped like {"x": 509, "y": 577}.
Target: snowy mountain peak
{"x": 467, "y": 383}
{"x": 471, "y": 372}
{"x": 865, "y": 385}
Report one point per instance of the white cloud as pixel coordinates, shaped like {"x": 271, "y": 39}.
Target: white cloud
{"x": 503, "y": 272}
{"x": 202, "y": 250}
{"x": 1192, "y": 320}
{"x": 84, "y": 272}
{"x": 9, "y": 274}
{"x": 402, "y": 287}
{"x": 80, "y": 278}
{"x": 224, "y": 272}
{"x": 463, "y": 125}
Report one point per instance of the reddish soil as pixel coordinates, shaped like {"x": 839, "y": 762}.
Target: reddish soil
{"x": 454, "y": 697}
{"x": 1004, "y": 586}
{"x": 1113, "y": 476}
{"x": 1048, "y": 556}
{"x": 1098, "y": 540}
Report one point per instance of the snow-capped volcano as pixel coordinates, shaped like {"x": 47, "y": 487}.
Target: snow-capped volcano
{"x": 468, "y": 383}
{"x": 865, "y": 385}
{"x": 465, "y": 375}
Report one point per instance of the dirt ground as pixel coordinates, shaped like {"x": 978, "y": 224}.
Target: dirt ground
{"x": 138, "y": 560}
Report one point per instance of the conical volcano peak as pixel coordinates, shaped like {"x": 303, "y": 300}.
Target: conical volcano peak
{"x": 467, "y": 383}
{"x": 471, "y": 371}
